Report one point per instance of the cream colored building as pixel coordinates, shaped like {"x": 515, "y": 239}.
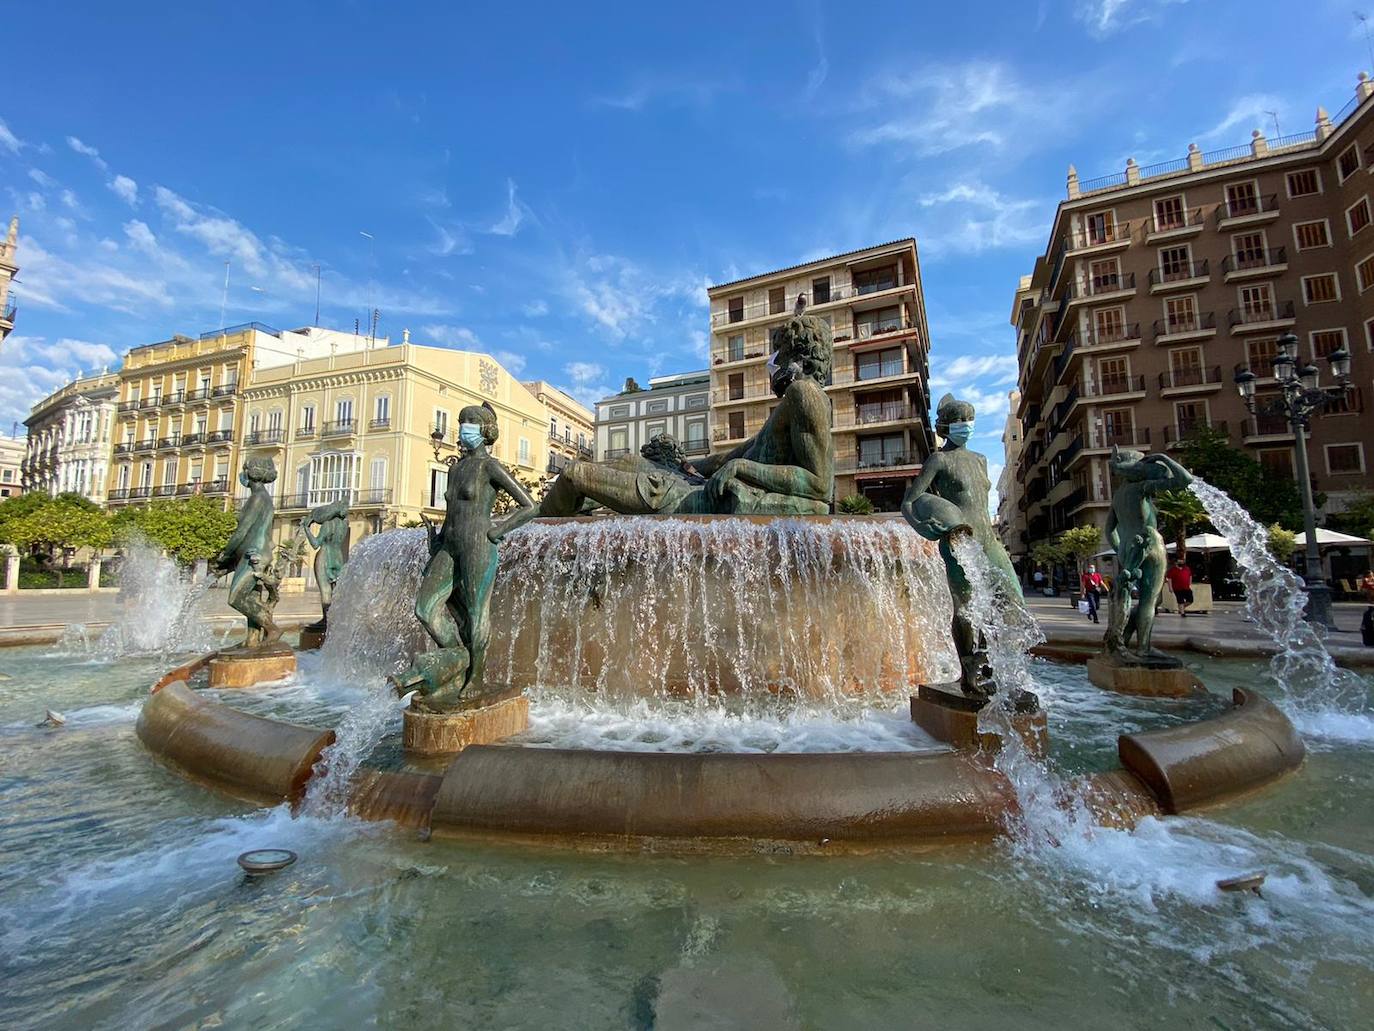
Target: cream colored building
{"x": 362, "y": 425}
{"x": 11, "y": 461}
{"x": 8, "y": 270}
{"x": 1010, "y": 519}
{"x": 572, "y": 432}
{"x": 69, "y": 434}
{"x": 873, "y": 301}
{"x": 178, "y": 422}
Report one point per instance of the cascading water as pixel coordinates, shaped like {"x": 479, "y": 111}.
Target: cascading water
{"x": 1322, "y": 700}
{"x": 159, "y": 609}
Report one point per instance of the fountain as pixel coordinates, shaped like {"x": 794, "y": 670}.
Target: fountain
{"x": 159, "y": 608}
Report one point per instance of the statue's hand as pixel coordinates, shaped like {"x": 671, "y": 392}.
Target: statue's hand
{"x": 495, "y": 534}
{"x": 716, "y": 485}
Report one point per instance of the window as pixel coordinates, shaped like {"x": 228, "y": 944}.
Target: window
{"x": 123, "y": 477}
{"x": 146, "y": 475}
{"x": 274, "y": 421}
{"x": 376, "y": 477}
{"x": 1100, "y": 227}
{"x": 1180, "y": 314}
{"x": 1277, "y": 462}
{"x": 735, "y": 348}
{"x": 885, "y": 320}
{"x": 524, "y": 451}
{"x": 1260, "y": 355}
{"x": 1114, "y": 375}
{"x": 1256, "y": 303}
{"x": 437, "y": 478}
{"x": 1242, "y": 199}
{"x": 1304, "y": 182}
{"x": 736, "y": 422}
{"x": 1344, "y": 458}
{"x": 1357, "y": 215}
{"x": 696, "y": 432}
{"x": 1312, "y": 234}
{"x": 1324, "y": 341}
{"x": 1175, "y": 263}
{"x": 1169, "y": 214}
{"x": 1109, "y": 325}
{"x": 777, "y": 300}
{"x": 820, "y": 290}
{"x": 1104, "y": 275}
{"x": 1349, "y": 162}
{"x": 697, "y": 401}
{"x": 1189, "y": 416}
{"x": 333, "y": 475}
{"x": 1118, "y": 426}
{"x": 382, "y": 410}
{"x": 1319, "y": 289}
{"x": 253, "y": 423}
{"x": 308, "y": 418}
{"x": 880, "y": 451}
{"x": 877, "y": 364}
{"x": 736, "y": 307}
{"x": 656, "y": 406}
{"x": 871, "y": 281}
{"x": 1248, "y": 249}
{"x": 441, "y": 422}
{"x": 620, "y": 443}
{"x": 1185, "y": 367}
{"x": 1364, "y": 273}
{"x": 654, "y": 429}
{"x": 343, "y": 411}
{"x": 735, "y": 390}
{"x": 620, "y": 412}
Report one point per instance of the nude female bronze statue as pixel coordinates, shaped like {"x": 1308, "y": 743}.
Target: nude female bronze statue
{"x": 331, "y": 550}
{"x": 248, "y": 555}
{"x": 787, "y": 468}
{"x": 454, "y": 599}
{"x": 1133, "y": 532}
{"x": 948, "y": 498}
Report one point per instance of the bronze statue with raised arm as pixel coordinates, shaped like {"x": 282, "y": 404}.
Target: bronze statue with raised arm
{"x": 1133, "y": 531}
{"x": 331, "y": 550}
{"x": 454, "y": 599}
{"x": 248, "y": 555}
{"x": 787, "y": 468}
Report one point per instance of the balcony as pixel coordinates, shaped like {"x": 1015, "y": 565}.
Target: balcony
{"x": 339, "y": 428}
{"x": 1248, "y": 211}
{"x": 1195, "y": 326}
{"x": 1120, "y": 285}
{"x": 1190, "y": 380}
{"x": 1254, "y": 264}
{"x": 306, "y": 432}
{"x": 225, "y": 390}
{"x": 124, "y": 447}
{"x": 136, "y": 493}
{"x": 380, "y": 424}
{"x": 145, "y": 445}
{"x": 865, "y": 331}
{"x": 1084, "y": 496}
{"x": 1100, "y": 238}
{"x": 739, "y": 395}
{"x": 868, "y": 373}
{"x": 730, "y": 355}
{"x": 167, "y": 443}
{"x": 176, "y": 399}
{"x": 1187, "y": 223}
{"x": 763, "y": 309}
{"x": 199, "y": 395}
{"x": 1115, "y": 387}
{"x": 860, "y": 463}
{"x": 193, "y": 439}
{"x": 1262, "y": 318}
{"x": 167, "y": 490}
{"x": 215, "y": 487}
{"x": 720, "y": 434}
{"x": 264, "y": 438}
{"x": 1187, "y": 275}
{"x": 695, "y": 446}
{"x": 1173, "y": 436}
{"x": 219, "y": 437}
{"x": 149, "y": 403}
{"x": 1266, "y": 427}
{"x": 875, "y": 414}
{"x": 119, "y": 494}
{"x": 371, "y": 498}
{"x": 124, "y": 407}
{"x": 296, "y": 501}
{"x": 621, "y": 452}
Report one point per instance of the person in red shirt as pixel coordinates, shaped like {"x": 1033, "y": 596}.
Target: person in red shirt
{"x": 1180, "y": 579}
{"x": 1093, "y": 585}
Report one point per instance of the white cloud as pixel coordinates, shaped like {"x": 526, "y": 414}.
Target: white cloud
{"x": 625, "y": 300}
{"x": 450, "y": 336}
{"x": 69, "y": 200}
{"x": 950, "y": 107}
{"x": 1246, "y": 113}
{"x": 87, "y": 355}
{"x": 665, "y": 90}
{"x": 140, "y": 236}
{"x": 88, "y": 151}
{"x": 820, "y": 71}
{"x": 992, "y": 368}
{"x": 587, "y": 384}
{"x": 52, "y": 280}
{"x": 451, "y": 239}
{"x": 42, "y": 178}
{"x": 970, "y": 217}
{"x": 35, "y": 201}
{"x": 514, "y": 363}
{"x": 1103, "y": 18}
{"x": 509, "y": 223}
{"x": 8, "y": 140}
{"x": 30, "y": 370}
{"x": 535, "y": 309}
{"x": 125, "y": 189}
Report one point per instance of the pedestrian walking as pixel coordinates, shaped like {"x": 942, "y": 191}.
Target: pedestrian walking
{"x": 1180, "y": 579}
{"x": 1093, "y": 586}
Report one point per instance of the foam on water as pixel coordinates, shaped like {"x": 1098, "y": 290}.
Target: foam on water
{"x": 1324, "y": 702}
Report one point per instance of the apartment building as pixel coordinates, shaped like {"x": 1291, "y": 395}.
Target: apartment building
{"x": 679, "y": 404}
{"x": 873, "y": 302}
{"x": 365, "y": 424}
{"x": 11, "y": 467}
{"x": 572, "y": 427}
{"x": 8, "y": 270}
{"x": 1157, "y": 283}
{"x": 1009, "y": 520}
{"x": 69, "y": 435}
{"x": 178, "y": 414}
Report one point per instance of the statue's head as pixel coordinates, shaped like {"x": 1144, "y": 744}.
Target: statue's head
{"x": 477, "y": 425}
{"x": 1128, "y": 463}
{"x": 802, "y": 346}
{"x": 258, "y": 469}
{"x": 954, "y": 420}
{"x": 663, "y": 449}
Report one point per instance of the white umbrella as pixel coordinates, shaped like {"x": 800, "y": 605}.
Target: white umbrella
{"x": 1203, "y": 542}
{"x": 1325, "y": 537}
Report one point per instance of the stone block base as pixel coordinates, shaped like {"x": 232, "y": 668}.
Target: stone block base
{"x": 1110, "y": 675}
{"x": 445, "y": 733}
{"x": 311, "y": 639}
{"x": 953, "y": 718}
{"x": 244, "y": 667}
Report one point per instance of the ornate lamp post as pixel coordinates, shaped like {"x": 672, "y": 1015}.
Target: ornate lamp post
{"x": 436, "y": 441}
{"x": 1301, "y": 397}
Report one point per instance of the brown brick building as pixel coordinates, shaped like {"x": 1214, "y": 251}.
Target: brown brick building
{"x": 1159, "y": 282}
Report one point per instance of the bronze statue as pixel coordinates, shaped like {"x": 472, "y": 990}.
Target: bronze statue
{"x": 787, "y": 468}
{"x": 950, "y": 497}
{"x": 331, "y": 550}
{"x": 248, "y": 555}
{"x": 1133, "y": 531}
{"x": 454, "y": 598}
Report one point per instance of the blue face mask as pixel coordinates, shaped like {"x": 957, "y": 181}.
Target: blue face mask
{"x": 470, "y": 435}
{"x": 959, "y": 432}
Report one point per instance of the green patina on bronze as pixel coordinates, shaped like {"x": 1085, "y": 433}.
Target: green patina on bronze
{"x": 787, "y": 468}
{"x": 1133, "y": 531}
{"x": 950, "y": 497}
{"x": 331, "y": 550}
{"x": 454, "y": 599}
{"x": 248, "y": 556}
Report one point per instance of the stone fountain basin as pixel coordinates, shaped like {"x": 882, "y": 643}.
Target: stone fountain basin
{"x": 787, "y": 802}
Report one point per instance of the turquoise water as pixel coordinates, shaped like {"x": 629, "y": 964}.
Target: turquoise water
{"x": 122, "y": 905}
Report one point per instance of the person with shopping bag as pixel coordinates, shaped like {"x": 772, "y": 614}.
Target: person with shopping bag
{"x": 1092, "y": 585}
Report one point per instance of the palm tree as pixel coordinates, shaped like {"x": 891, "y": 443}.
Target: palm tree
{"x": 1179, "y": 511}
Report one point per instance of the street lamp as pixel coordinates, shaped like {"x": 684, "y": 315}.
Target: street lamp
{"x": 1300, "y": 398}
{"x": 436, "y": 441}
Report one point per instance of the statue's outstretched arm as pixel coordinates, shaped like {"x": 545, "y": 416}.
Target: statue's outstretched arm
{"x": 527, "y": 510}
{"x": 1174, "y": 477}
{"x": 920, "y": 486}
{"x": 1112, "y": 532}
{"x": 312, "y": 538}
{"x": 709, "y": 465}
{"x": 230, "y": 554}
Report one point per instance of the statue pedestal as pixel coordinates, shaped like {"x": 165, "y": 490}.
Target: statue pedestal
{"x": 312, "y": 637}
{"x": 244, "y": 667}
{"x": 446, "y": 733}
{"x": 951, "y": 716}
{"x": 1112, "y": 674}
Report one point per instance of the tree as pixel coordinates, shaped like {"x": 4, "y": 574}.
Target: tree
{"x": 1358, "y": 517}
{"x": 66, "y": 522}
{"x": 1208, "y": 454}
{"x": 855, "y": 504}
{"x": 534, "y": 487}
{"x": 192, "y": 528}
{"x": 1080, "y": 543}
{"x": 1181, "y": 512}
{"x": 1048, "y": 553}
{"x": 1282, "y": 543}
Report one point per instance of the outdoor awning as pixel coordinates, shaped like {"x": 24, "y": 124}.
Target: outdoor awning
{"x": 1203, "y": 542}
{"x": 1326, "y": 537}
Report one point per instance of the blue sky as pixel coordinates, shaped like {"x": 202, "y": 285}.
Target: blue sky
{"x": 557, "y": 185}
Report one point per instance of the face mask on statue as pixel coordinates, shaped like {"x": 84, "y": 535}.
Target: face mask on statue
{"x": 470, "y": 435}
{"x": 959, "y": 432}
